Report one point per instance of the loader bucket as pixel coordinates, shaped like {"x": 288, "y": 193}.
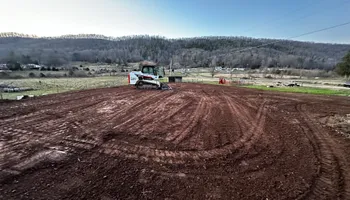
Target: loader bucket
{"x": 164, "y": 86}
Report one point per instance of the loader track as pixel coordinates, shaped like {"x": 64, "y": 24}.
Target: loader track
{"x": 194, "y": 142}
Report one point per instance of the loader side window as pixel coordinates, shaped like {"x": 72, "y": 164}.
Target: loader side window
{"x": 149, "y": 70}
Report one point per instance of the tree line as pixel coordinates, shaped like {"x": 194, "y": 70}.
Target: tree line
{"x": 184, "y": 52}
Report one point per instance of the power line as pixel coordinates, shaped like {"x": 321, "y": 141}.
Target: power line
{"x": 293, "y": 37}
{"x": 288, "y": 13}
{"x": 301, "y": 17}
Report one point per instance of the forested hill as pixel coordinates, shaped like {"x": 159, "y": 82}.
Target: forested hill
{"x": 186, "y": 52}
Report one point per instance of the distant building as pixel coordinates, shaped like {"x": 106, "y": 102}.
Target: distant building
{"x": 347, "y": 84}
{"x": 218, "y": 68}
{"x": 238, "y": 69}
{"x": 32, "y": 66}
{"x": 3, "y": 68}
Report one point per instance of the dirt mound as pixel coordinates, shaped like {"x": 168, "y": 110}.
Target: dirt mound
{"x": 193, "y": 142}
{"x": 340, "y": 122}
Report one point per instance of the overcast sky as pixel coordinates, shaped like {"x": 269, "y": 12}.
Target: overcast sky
{"x": 179, "y": 18}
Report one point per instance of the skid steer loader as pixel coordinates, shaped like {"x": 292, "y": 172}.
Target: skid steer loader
{"x": 148, "y": 77}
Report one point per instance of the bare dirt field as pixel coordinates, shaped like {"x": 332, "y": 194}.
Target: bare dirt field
{"x": 194, "y": 142}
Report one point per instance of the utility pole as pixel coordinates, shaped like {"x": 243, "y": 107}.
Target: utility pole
{"x": 171, "y": 63}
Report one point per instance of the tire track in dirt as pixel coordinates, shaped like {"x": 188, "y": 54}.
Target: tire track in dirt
{"x": 39, "y": 123}
{"x": 181, "y": 154}
{"x": 167, "y": 116}
{"x": 187, "y": 156}
{"x": 95, "y": 122}
{"x": 106, "y": 130}
{"x": 39, "y": 116}
{"x": 331, "y": 181}
{"x": 247, "y": 145}
{"x": 48, "y": 102}
{"x": 178, "y": 156}
{"x": 59, "y": 106}
{"x": 139, "y": 107}
{"x": 147, "y": 114}
{"x": 180, "y": 135}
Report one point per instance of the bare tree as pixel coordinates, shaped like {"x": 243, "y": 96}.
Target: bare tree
{"x": 213, "y": 65}
{"x": 300, "y": 61}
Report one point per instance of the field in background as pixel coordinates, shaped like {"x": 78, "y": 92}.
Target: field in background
{"x": 44, "y": 86}
{"x": 103, "y": 75}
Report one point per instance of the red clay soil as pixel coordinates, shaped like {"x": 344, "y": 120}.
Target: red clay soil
{"x": 194, "y": 142}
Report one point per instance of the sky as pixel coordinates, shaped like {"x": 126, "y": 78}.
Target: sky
{"x": 279, "y": 19}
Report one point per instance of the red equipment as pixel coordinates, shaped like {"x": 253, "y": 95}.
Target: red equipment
{"x": 222, "y": 80}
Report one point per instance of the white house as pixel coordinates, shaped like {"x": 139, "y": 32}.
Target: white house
{"x": 32, "y": 66}
{"x": 3, "y": 67}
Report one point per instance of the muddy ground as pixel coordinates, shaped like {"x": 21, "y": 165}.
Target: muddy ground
{"x": 194, "y": 142}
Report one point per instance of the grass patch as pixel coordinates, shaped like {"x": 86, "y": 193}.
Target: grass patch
{"x": 57, "y": 85}
{"x": 306, "y": 90}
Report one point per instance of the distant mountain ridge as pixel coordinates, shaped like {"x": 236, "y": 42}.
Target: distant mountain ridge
{"x": 70, "y": 36}
{"x": 103, "y": 37}
{"x": 230, "y": 51}
{"x": 14, "y": 34}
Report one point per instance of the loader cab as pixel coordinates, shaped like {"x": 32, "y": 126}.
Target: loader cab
{"x": 149, "y": 67}
{"x": 149, "y": 70}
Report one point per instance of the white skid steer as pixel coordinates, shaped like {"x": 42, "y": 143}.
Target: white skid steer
{"x": 147, "y": 78}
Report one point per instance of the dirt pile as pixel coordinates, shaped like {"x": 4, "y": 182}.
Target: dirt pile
{"x": 340, "y": 122}
{"x": 194, "y": 142}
